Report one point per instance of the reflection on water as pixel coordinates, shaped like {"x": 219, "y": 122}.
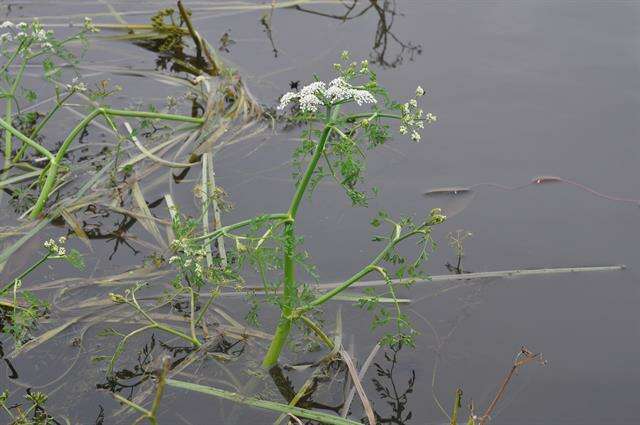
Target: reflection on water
{"x": 388, "y": 49}
{"x": 392, "y": 390}
{"x": 517, "y": 86}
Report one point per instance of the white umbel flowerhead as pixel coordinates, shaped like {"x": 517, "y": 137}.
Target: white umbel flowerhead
{"x": 413, "y": 117}
{"x": 317, "y": 94}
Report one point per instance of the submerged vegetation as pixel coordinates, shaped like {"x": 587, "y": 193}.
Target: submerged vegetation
{"x": 79, "y": 150}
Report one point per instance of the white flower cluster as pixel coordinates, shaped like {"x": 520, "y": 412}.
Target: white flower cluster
{"x": 56, "y": 248}
{"x": 194, "y": 256}
{"x": 24, "y": 32}
{"x": 413, "y": 118}
{"x": 76, "y": 85}
{"x": 89, "y": 26}
{"x": 318, "y": 94}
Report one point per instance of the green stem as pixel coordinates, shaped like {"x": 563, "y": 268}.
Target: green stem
{"x": 318, "y": 331}
{"x": 372, "y": 266}
{"x": 40, "y": 126}
{"x": 368, "y": 115}
{"x": 24, "y": 274}
{"x": 10, "y": 129}
{"x": 162, "y": 380}
{"x": 204, "y": 309}
{"x": 151, "y": 115}
{"x": 8, "y": 137}
{"x": 192, "y": 312}
{"x": 179, "y": 334}
{"x": 221, "y": 231}
{"x": 12, "y": 58}
{"x": 302, "y": 185}
{"x": 290, "y": 294}
{"x": 277, "y": 343}
{"x": 55, "y": 162}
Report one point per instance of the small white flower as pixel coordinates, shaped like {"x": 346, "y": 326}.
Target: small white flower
{"x": 62, "y": 251}
{"x": 62, "y": 240}
{"x": 431, "y": 118}
{"x": 287, "y": 98}
{"x": 415, "y": 136}
{"x": 77, "y": 85}
{"x": 413, "y": 103}
{"x": 338, "y": 90}
{"x": 363, "y": 96}
{"x": 310, "y": 103}
{"x": 309, "y": 100}
{"x": 40, "y": 35}
{"x": 5, "y": 37}
{"x": 173, "y": 259}
{"x": 314, "y": 95}
{"x": 7, "y": 24}
{"x": 402, "y": 129}
{"x": 22, "y": 26}
{"x": 313, "y": 88}
{"x": 198, "y": 269}
{"x": 419, "y": 91}
{"x": 89, "y": 26}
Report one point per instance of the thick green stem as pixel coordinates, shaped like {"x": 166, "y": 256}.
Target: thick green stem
{"x": 54, "y": 164}
{"x": 151, "y": 115}
{"x": 304, "y": 182}
{"x": 289, "y": 297}
{"x": 40, "y": 126}
{"x": 10, "y": 129}
{"x": 277, "y": 344}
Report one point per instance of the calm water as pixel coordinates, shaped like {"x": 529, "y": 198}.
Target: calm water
{"x": 521, "y": 89}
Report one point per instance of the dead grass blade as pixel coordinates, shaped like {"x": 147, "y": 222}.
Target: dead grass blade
{"x": 75, "y": 225}
{"x": 505, "y": 274}
{"x": 363, "y": 370}
{"x": 358, "y": 386}
{"x": 147, "y": 220}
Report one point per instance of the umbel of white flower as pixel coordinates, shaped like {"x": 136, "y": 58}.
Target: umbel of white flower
{"x": 317, "y": 94}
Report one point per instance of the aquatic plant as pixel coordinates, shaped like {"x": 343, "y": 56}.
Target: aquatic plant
{"x": 35, "y": 413}
{"x": 19, "y": 314}
{"x": 337, "y": 133}
{"x": 31, "y": 43}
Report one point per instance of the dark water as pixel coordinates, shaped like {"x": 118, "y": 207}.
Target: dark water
{"x": 521, "y": 89}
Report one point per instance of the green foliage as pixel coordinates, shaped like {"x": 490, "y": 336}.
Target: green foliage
{"x": 33, "y": 413}
{"x": 20, "y": 316}
{"x": 336, "y": 140}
